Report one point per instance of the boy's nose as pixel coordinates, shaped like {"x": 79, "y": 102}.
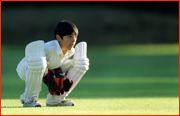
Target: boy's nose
{"x": 74, "y": 39}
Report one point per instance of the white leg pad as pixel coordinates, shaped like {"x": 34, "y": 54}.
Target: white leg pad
{"x": 80, "y": 64}
{"x": 35, "y": 49}
{"x": 75, "y": 74}
{"x": 33, "y": 85}
{"x": 81, "y": 50}
{"x": 36, "y": 61}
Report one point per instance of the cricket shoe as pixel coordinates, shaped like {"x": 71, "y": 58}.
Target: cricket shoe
{"x": 32, "y": 103}
{"x": 65, "y": 102}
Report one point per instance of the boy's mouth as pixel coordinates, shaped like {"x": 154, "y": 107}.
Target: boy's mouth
{"x": 71, "y": 45}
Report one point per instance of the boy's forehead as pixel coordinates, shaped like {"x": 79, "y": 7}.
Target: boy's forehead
{"x": 73, "y": 33}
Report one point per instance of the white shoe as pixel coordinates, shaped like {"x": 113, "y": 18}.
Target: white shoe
{"x": 32, "y": 103}
{"x": 65, "y": 102}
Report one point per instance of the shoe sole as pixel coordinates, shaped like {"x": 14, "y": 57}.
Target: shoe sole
{"x": 38, "y": 106}
{"x": 33, "y": 106}
{"x": 58, "y": 105}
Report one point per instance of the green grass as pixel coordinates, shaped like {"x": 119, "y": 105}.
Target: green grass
{"x": 106, "y": 106}
{"x": 124, "y": 79}
{"x": 114, "y": 87}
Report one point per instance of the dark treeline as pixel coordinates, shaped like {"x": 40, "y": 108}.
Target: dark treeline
{"x": 116, "y": 22}
{"x": 165, "y": 7}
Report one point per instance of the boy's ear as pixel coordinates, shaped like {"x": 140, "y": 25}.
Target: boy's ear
{"x": 58, "y": 38}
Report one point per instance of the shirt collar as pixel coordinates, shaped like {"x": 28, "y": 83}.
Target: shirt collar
{"x": 59, "y": 51}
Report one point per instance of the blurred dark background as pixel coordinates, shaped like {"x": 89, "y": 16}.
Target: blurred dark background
{"x": 107, "y": 22}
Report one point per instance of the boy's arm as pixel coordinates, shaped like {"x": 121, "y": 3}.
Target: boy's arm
{"x": 67, "y": 65}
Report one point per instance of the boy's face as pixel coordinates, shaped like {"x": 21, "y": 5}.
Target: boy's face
{"x": 68, "y": 41}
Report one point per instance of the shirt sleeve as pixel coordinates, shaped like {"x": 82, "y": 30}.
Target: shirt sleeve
{"x": 67, "y": 65}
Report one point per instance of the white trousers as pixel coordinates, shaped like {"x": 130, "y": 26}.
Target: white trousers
{"x": 74, "y": 74}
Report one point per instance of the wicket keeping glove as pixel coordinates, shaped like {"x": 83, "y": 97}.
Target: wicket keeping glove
{"x": 56, "y": 82}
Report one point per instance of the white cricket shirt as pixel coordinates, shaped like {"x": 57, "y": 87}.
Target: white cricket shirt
{"x": 54, "y": 54}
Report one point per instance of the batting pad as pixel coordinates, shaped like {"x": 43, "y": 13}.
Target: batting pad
{"x": 36, "y": 60}
{"x": 75, "y": 74}
{"x": 80, "y": 50}
{"x": 80, "y": 64}
{"x": 80, "y": 59}
{"x": 35, "y": 49}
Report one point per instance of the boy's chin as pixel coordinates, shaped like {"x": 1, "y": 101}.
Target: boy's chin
{"x": 70, "y": 48}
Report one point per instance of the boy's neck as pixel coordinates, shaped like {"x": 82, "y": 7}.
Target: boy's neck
{"x": 64, "y": 52}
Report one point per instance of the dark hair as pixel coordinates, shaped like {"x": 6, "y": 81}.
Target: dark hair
{"x": 64, "y": 28}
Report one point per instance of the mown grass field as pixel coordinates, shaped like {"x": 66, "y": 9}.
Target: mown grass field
{"x": 100, "y": 106}
{"x": 124, "y": 79}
